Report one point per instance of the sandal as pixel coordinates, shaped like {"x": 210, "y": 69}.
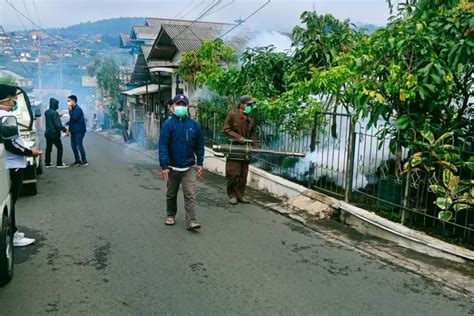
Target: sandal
{"x": 169, "y": 220}
{"x": 194, "y": 226}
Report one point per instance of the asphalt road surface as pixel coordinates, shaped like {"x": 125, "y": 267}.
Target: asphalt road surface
{"x": 102, "y": 248}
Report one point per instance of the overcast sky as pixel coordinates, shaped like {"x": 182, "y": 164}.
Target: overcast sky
{"x": 278, "y": 14}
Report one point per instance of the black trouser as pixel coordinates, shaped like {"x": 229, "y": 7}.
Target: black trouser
{"x": 56, "y": 141}
{"x": 16, "y": 178}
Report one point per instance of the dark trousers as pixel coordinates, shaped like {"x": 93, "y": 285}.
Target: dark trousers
{"x": 126, "y": 138}
{"x": 16, "y": 178}
{"x": 77, "y": 146}
{"x": 56, "y": 141}
{"x": 236, "y": 172}
{"x": 188, "y": 179}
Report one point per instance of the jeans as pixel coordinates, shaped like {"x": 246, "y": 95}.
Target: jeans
{"x": 188, "y": 179}
{"x": 77, "y": 146}
{"x": 56, "y": 141}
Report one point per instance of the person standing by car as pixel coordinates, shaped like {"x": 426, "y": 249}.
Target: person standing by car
{"x": 16, "y": 159}
{"x": 181, "y": 156}
{"x": 77, "y": 130}
{"x": 52, "y": 133}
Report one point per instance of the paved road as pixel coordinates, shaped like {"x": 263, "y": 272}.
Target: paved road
{"x": 103, "y": 249}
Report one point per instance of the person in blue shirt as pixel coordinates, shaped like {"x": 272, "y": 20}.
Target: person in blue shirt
{"x": 181, "y": 156}
{"x": 77, "y": 131}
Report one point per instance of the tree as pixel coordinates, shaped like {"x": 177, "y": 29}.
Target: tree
{"x": 108, "y": 80}
{"x": 202, "y": 66}
{"x": 10, "y": 80}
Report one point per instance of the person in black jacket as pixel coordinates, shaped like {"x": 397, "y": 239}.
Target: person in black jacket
{"x": 53, "y": 134}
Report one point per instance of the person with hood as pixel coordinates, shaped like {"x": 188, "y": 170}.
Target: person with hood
{"x": 181, "y": 156}
{"x": 16, "y": 153}
{"x": 54, "y": 127}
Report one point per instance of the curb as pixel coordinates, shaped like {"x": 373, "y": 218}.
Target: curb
{"x": 306, "y": 205}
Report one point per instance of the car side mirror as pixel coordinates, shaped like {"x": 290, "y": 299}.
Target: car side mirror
{"x": 37, "y": 113}
{"x": 9, "y": 127}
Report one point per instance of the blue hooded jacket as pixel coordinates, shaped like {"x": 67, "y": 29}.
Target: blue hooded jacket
{"x": 76, "y": 123}
{"x": 181, "y": 143}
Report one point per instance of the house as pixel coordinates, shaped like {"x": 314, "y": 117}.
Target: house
{"x": 22, "y": 82}
{"x": 153, "y": 81}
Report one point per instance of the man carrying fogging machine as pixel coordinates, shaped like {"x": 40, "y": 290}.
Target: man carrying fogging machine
{"x": 240, "y": 127}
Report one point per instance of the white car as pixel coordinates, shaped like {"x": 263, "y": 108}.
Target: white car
{"x": 7, "y": 123}
{"x": 26, "y": 121}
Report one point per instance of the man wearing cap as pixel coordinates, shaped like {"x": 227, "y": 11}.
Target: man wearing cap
{"x": 17, "y": 151}
{"x": 239, "y": 126}
{"x": 181, "y": 156}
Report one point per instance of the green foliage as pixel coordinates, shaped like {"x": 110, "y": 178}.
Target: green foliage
{"x": 107, "y": 73}
{"x": 10, "y": 80}
{"x": 417, "y": 72}
{"x": 452, "y": 174}
{"x": 203, "y": 66}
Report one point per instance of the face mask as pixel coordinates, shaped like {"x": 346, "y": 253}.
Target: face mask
{"x": 15, "y": 107}
{"x": 248, "y": 109}
{"x": 180, "y": 111}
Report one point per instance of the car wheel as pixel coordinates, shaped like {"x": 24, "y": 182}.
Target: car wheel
{"x": 6, "y": 250}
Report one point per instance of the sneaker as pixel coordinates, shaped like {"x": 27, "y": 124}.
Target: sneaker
{"x": 22, "y": 241}
{"x": 193, "y": 226}
{"x": 233, "y": 200}
{"x": 19, "y": 234}
{"x": 85, "y": 163}
{"x": 244, "y": 200}
{"x": 75, "y": 164}
{"x": 62, "y": 166}
{"x": 49, "y": 166}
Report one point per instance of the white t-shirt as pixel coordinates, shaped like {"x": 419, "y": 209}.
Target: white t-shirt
{"x": 14, "y": 161}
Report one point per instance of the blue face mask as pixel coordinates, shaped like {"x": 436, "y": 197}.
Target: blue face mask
{"x": 15, "y": 107}
{"x": 248, "y": 109}
{"x": 181, "y": 111}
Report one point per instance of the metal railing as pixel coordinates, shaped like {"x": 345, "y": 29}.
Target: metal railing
{"x": 352, "y": 162}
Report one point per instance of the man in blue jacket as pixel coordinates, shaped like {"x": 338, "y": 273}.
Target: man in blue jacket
{"x": 181, "y": 156}
{"x": 77, "y": 130}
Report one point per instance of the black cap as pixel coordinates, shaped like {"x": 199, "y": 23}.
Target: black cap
{"x": 246, "y": 99}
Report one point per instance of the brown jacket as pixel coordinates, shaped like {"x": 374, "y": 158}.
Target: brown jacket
{"x": 239, "y": 125}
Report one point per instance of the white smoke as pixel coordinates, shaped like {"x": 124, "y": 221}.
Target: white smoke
{"x": 331, "y": 155}
{"x": 281, "y": 42}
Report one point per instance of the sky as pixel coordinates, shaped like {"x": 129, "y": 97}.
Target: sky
{"x": 278, "y": 15}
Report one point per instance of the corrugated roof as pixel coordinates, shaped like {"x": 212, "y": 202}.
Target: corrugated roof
{"x": 187, "y": 38}
{"x": 146, "y": 50}
{"x": 124, "y": 39}
{"x": 158, "y": 22}
{"x": 144, "y": 33}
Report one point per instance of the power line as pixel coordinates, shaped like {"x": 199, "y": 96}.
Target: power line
{"x": 186, "y": 12}
{"x": 36, "y": 10}
{"x": 199, "y": 17}
{"x": 41, "y": 28}
{"x": 244, "y": 20}
{"x": 184, "y": 8}
{"x": 211, "y": 13}
{"x": 14, "y": 52}
{"x": 26, "y": 10}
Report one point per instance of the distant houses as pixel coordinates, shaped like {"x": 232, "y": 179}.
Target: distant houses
{"x": 157, "y": 47}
